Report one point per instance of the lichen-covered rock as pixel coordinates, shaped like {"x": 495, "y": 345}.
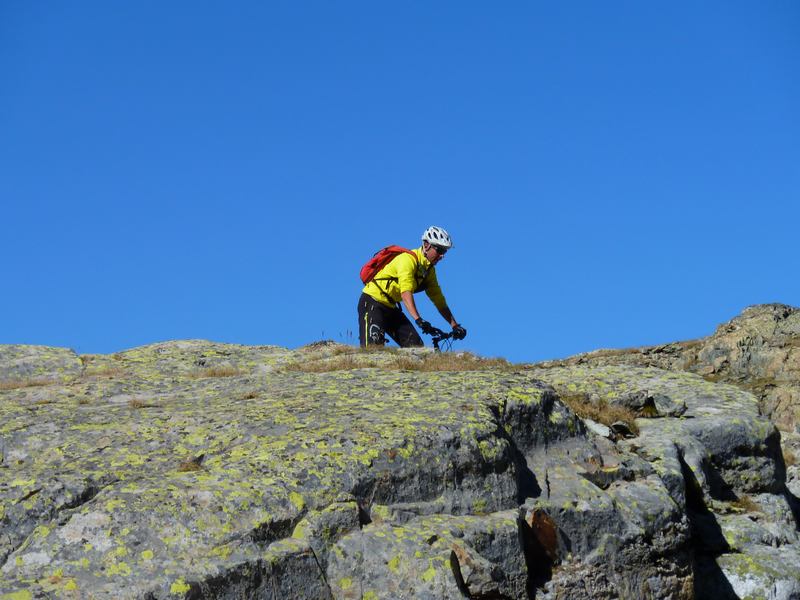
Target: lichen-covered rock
{"x": 201, "y": 470}
{"x": 432, "y": 557}
{"x": 22, "y": 365}
{"x": 761, "y": 573}
{"x": 627, "y": 535}
{"x": 158, "y": 473}
{"x": 758, "y": 350}
{"x": 717, "y": 452}
{"x": 720, "y": 434}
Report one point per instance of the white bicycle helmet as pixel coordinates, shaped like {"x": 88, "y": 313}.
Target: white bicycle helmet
{"x": 437, "y": 236}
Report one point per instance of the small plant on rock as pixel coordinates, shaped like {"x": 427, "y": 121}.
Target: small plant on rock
{"x": 339, "y": 363}
{"x": 451, "y": 361}
{"x": 220, "y": 371}
{"x": 137, "y": 403}
{"x": 191, "y": 465}
{"x": 745, "y": 503}
{"x": 600, "y": 411}
{"x": 13, "y": 384}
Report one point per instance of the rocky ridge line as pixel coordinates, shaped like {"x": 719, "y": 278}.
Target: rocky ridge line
{"x": 201, "y": 470}
{"x": 758, "y": 351}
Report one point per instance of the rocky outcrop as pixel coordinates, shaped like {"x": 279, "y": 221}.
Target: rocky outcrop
{"x": 758, "y": 350}
{"x": 22, "y": 366}
{"x": 202, "y": 470}
{"x": 719, "y": 463}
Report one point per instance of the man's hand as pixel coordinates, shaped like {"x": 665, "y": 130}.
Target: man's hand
{"x": 459, "y": 333}
{"x": 425, "y": 327}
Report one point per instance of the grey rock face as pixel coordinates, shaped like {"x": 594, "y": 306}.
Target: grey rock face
{"x": 720, "y": 468}
{"x": 759, "y": 351}
{"x": 201, "y": 470}
{"x": 434, "y": 557}
{"x": 22, "y": 365}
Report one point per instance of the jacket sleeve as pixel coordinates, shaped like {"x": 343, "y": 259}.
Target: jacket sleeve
{"x": 433, "y": 290}
{"x": 405, "y": 266}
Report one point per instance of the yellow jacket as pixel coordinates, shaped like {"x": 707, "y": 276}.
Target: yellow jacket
{"x": 404, "y": 274}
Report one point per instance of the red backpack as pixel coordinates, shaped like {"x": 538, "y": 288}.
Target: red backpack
{"x": 380, "y": 260}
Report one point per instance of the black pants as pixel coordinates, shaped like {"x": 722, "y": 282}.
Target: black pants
{"x": 376, "y": 320}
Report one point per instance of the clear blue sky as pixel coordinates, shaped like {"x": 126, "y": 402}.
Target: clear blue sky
{"x": 613, "y": 174}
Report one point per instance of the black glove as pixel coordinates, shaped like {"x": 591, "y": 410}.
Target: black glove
{"x": 426, "y": 327}
{"x": 459, "y": 333}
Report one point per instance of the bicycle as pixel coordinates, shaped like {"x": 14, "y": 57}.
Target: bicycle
{"x": 440, "y": 337}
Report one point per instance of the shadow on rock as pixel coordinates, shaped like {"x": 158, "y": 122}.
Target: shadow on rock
{"x": 708, "y": 542}
{"x": 792, "y": 500}
{"x": 527, "y": 485}
{"x": 539, "y": 541}
{"x": 794, "y": 506}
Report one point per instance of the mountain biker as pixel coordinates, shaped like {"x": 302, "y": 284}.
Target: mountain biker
{"x": 379, "y": 307}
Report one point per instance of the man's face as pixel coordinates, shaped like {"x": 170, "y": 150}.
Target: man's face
{"x": 434, "y": 253}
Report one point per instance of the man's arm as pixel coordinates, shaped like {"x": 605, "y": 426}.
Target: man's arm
{"x": 447, "y": 315}
{"x": 411, "y": 307}
{"x": 434, "y": 292}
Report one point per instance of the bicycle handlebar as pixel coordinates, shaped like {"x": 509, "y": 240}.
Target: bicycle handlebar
{"x": 438, "y": 336}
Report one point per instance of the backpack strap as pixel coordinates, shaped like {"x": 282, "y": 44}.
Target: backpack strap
{"x": 384, "y": 292}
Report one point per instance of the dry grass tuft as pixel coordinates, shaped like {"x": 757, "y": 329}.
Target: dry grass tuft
{"x": 438, "y": 361}
{"x": 451, "y": 361}
{"x": 191, "y": 465}
{"x": 14, "y": 384}
{"x": 106, "y": 372}
{"x": 223, "y": 371}
{"x": 318, "y": 345}
{"x": 137, "y": 403}
{"x": 369, "y": 350}
{"x": 789, "y": 457}
{"x": 600, "y": 411}
{"x": 343, "y": 363}
{"x": 745, "y": 503}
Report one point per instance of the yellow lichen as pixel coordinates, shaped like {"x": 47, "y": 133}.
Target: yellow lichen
{"x": 297, "y": 500}
{"x": 22, "y": 482}
{"x": 345, "y": 583}
{"x": 394, "y": 564}
{"x": 119, "y": 568}
{"x": 300, "y": 531}
{"x": 179, "y": 587}
{"x": 20, "y": 595}
{"x": 41, "y": 531}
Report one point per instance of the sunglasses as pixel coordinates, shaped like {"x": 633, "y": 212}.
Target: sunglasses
{"x": 439, "y": 250}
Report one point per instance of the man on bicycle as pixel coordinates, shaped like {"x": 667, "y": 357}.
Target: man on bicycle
{"x": 379, "y": 307}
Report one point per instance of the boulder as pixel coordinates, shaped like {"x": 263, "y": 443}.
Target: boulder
{"x": 758, "y": 351}
{"x": 34, "y": 366}
{"x": 200, "y": 470}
